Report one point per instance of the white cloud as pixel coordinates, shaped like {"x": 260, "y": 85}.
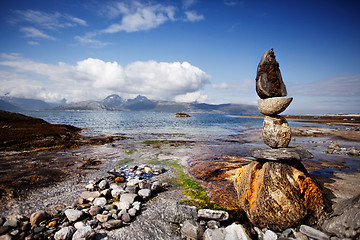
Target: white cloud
{"x": 191, "y": 97}
{"x": 220, "y": 86}
{"x": 232, "y": 3}
{"x": 31, "y": 32}
{"x": 88, "y": 40}
{"x": 34, "y": 43}
{"x": 44, "y": 20}
{"x": 188, "y": 3}
{"x": 38, "y": 23}
{"x": 95, "y": 79}
{"x": 137, "y": 16}
{"x": 193, "y": 16}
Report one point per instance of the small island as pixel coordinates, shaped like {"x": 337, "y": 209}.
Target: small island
{"x": 181, "y": 114}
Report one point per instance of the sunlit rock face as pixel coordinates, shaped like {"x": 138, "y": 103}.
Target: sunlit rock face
{"x": 276, "y": 195}
{"x": 269, "y": 82}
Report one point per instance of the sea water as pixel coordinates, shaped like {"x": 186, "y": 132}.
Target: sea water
{"x": 113, "y": 123}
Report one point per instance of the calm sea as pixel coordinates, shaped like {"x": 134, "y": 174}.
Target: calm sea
{"x": 112, "y": 123}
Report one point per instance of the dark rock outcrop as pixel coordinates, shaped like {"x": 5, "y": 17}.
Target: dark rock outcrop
{"x": 269, "y": 82}
{"x": 181, "y": 114}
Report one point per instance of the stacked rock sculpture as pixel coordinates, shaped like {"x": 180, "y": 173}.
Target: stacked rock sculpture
{"x": 275, "y": 190}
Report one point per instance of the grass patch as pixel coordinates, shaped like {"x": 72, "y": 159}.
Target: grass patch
{"x": 155, "y": 143}
{"x": 130, "y": 151}
{"x": 123, "y": 162}
{"x": 191, "y": 186}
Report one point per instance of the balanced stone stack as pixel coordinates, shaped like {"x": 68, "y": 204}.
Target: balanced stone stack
{"x": 275, "y": 190}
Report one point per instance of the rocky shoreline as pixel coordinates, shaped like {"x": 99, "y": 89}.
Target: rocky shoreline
{"x": 212, "y": 162}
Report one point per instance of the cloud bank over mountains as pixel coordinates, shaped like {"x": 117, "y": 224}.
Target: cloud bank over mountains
{"x": 94, "y": 79}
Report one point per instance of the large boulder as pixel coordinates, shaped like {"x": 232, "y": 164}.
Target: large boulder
{"x": 277, "y": 195}
{"x": 276, "y": 132}
{"x": 269, "y": 82}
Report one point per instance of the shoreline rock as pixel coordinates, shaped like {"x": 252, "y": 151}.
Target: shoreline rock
{"x": 181, "y": 114}
{"x": 277, "y": 195}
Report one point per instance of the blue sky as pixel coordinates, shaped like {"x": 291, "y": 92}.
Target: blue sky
{"x": 184, "y": 50}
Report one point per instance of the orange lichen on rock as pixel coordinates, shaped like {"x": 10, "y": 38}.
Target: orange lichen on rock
{"x": 277, "y": 195}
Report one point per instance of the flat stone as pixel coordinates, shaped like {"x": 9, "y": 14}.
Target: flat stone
{"x": 269, "y": 82}
{"x": 122, "y": 205}
{"x": 102, "y": 218}
{"x": 128, "y": 197}
{"x": 116, "y": 193}
{"x": 313, "y": 233}
{"x": 101, "y": 201}
{"x": 215, "y": 234}
{"x": 191, "y": 229}
{"x": 11, "y": 223}
{"x": 126, "y": 217}
{"x": 270, "y": 235}
{"x": 273, "y": 106}
{"x": 145, "y": 193}
{"x": 73, "y": 215}
{"x": 132, "y": 212}
{"x": 279, "y": 154}
{"x": 217, "y": 215}
{"x": 94, "y": 210}
{"x": 65, "y": 233}
{"x": 103, "y": 184}
{"x": 79, "y": 225}
{"x": 276, "y": 132}
{"x": 83, "y": 233}
{"x": 89, "y": 195}
{"x": 236, "y": 232}
{"x": 112, "y": 224}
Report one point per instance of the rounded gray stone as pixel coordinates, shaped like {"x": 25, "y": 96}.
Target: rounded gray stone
{"x": 65, "y": 233}
{"x": 73, "y": 215}
{"x": 101, "y": 201}
{"x": 273, "y": 106}
{"x": 276, "y": 132}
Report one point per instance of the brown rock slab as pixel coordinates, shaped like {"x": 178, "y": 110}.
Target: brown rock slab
{"x": 273, "y": 106}
{"x": 276, "y": 132}
{"x": 269, "y": 82}
{"x": 280, "y": 154}
{"x": 277, "y": 195}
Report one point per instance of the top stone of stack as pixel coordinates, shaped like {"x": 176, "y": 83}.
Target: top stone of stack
{"x": 269, "y": 82}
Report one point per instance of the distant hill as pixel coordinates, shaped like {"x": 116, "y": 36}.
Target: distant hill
{"x": 89, "y": 106}
{"x": 115, "y": 103}
{"x": 142, "y": 103}
{"x": 25, "y": 103}
{"x": 6, "y": 106}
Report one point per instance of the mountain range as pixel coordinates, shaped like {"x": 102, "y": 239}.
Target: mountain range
{"x": 116, "y": 103}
